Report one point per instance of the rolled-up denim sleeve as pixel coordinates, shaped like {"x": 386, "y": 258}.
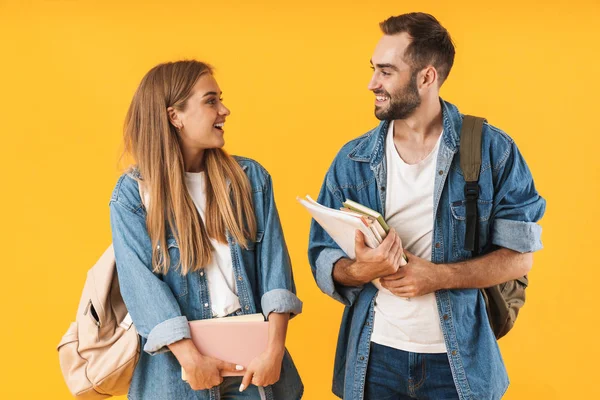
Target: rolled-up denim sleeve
{"x": 278, "y": 290}
{"x": 323, "y": 253}
{"x": 517, "y": 206}
{"x": 153, "y": 308}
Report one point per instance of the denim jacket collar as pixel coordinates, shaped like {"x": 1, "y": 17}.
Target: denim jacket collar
{"x": 371, "y": 146}
{"x": 134, "y": 172}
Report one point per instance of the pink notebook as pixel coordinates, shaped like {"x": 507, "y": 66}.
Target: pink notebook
{"x": 233, "y": 339}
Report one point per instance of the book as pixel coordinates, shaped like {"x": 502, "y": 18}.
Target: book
{"x": 375, "y": 232}
{"x": 340, "y": 225}
{"x": 380, "y": 231}
{"x": 379, "y": 228}
{"x": 359, "y": 208}
{"x": 237, "y": 339}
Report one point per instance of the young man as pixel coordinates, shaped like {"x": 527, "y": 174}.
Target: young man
{"x": 421, "y": 330}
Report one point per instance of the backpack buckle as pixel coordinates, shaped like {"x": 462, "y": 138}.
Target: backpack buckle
{"x": 471, "y": 190}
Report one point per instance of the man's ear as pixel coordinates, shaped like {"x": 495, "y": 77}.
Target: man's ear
{"x": 428, "y": 77}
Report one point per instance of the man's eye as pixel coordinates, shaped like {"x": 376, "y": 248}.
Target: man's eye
{"x": 384, "y": 73}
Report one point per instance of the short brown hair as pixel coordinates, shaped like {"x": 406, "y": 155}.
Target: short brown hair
{"x": 431, "y": 43}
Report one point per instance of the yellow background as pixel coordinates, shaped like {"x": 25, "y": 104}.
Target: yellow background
{"x": 295, "y": 76}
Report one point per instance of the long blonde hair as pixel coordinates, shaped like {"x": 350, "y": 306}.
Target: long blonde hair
{"x": 153, "y": 143}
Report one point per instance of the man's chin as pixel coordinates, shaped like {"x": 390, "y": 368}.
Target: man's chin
{"x": 380, "y": 113}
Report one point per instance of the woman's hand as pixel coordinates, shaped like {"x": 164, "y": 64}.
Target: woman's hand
{"x": 264, "y": 370}
{"x": 207, "y": 372}
{"x": 201, "y": 372}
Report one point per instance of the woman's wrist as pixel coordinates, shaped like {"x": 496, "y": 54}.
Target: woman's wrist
{"x": 186, "y": 353}
{"x": 276, "y": 349}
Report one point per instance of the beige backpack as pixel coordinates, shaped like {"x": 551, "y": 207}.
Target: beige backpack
{"x": 100, "y": 350}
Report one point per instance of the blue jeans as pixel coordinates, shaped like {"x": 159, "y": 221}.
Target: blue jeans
{"x": 399, "y": 375}
{"x": 230, "y": 390}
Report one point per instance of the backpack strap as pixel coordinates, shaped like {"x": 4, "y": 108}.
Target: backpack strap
{"x": 127, "y": 321}
{"x": 470, "y": 164}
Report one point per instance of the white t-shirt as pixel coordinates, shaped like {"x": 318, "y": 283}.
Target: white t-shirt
{"x": 219, "y": 273}
{"x": 409, "y": 324}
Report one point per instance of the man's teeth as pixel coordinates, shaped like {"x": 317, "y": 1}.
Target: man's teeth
{"x": 219, "y": 126}
{"x": 381, "y": 98}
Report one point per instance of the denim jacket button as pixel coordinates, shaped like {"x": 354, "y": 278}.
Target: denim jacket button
{"x": 239, "y": 278}
{"x": 205, "y": 305}
{"x": 446, "y": 317}
{"x": 201, "y": 273}
{"x": 362, "y": 358}
{"x": 246, "y": 307}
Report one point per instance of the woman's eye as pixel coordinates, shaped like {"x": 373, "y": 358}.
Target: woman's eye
{"x": 214, "y": 101}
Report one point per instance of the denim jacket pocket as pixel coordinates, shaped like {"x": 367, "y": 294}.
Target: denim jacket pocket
{"x": 459, "y": 226}
{"x": 176, "y": 281}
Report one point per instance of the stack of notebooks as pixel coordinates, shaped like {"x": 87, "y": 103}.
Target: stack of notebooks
{"x": 371, "y": 218}
{"x": 341, "y": 224}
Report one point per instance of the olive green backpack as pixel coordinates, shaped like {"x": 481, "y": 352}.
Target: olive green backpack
{"x": 503, "y": 301}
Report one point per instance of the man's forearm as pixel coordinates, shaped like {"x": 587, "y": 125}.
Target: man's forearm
{"x": 345, "y": 273}
{"x": 491, "y": 269}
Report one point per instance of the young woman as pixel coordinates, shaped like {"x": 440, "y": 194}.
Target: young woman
{"x": 206, "y": 242}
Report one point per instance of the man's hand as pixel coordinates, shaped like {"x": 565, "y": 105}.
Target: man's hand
{"x": 381, "y": 261}
{"x": 417, "y": 278}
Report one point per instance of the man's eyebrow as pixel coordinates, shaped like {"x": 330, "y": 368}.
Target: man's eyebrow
{"x": 391, "y": 66}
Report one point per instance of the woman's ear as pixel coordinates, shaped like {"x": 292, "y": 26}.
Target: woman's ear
{"x": 174, "y": 118}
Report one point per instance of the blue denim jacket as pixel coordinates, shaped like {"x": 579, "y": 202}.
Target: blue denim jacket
{"x": 508, "y": 207}
{"x": 161, "y": 305}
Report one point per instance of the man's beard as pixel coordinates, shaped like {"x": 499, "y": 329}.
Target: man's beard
{"x": 402, "y": 104}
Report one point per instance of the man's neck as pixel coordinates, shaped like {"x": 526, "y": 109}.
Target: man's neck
{"x": 425, "y": 123}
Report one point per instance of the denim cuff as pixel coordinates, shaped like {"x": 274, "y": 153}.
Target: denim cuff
{"x": 165, "y": 333}
{"x": 280, "y": 301}
{"x": 324, "y": 276}
{"x": 520, "y": 236}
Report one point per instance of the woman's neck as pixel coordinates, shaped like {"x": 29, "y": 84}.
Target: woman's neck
{"x": 193, "y": 160}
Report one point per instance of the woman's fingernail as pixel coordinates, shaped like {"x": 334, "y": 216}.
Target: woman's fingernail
{"x": 239, "y": 367}
{"x": 242, "y": 387}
